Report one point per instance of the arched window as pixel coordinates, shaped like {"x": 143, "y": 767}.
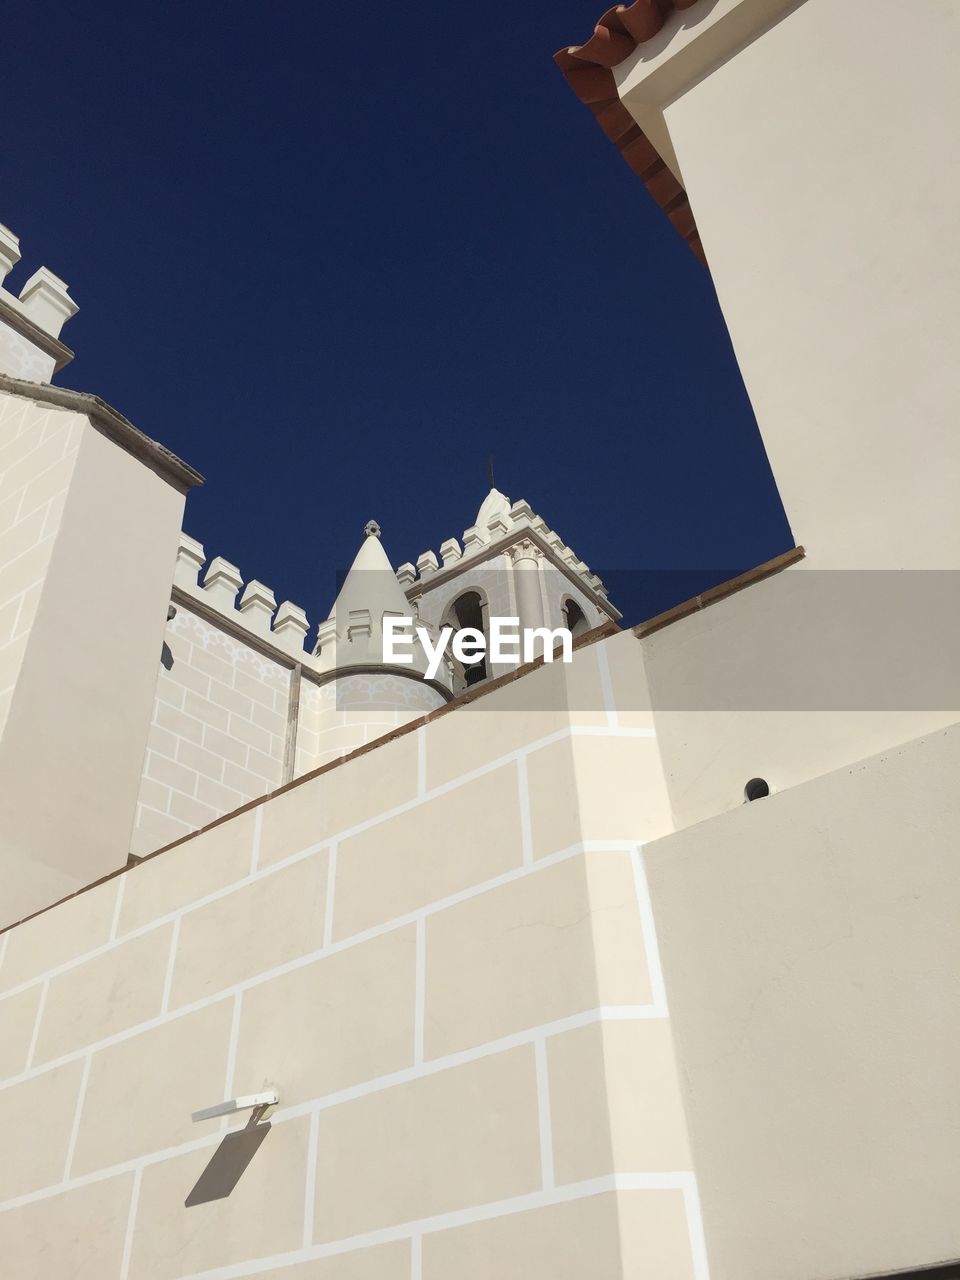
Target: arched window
{"x": 574, "y": 619}
{"x": 467, "y": 611}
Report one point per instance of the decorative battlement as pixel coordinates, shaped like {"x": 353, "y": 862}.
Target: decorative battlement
{"x": 255, "y": 612}
{"x": 30, "y": 324}
{"x": 500, "y": 524}
{"x": 349, "y": 638}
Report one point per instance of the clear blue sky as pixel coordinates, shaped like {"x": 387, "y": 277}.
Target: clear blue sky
{"x": 334, "y": 256}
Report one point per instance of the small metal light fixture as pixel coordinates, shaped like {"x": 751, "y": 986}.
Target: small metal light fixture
{"x": 256, "y": 1102}
{"x": 756, "y": 789}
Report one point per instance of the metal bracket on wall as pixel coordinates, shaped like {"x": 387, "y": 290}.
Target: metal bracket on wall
{"x": 259, "y": 1103}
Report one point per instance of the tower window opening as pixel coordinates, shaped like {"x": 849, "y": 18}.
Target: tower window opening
{"x": 574, "y": 619}
{"x": 467, "y": 611}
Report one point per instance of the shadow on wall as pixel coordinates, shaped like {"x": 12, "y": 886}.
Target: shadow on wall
{"x": 689, "y": 19}
{"x": 228, "y": 1164}
{"x": 166, "y": 653}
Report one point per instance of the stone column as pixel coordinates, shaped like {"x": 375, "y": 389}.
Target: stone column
{"x": 526, "y": 558}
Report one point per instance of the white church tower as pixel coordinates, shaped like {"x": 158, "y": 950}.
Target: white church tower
{"x": 509, "y": 564}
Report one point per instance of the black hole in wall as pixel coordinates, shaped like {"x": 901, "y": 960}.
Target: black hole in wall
{"x": 756, "y": 789}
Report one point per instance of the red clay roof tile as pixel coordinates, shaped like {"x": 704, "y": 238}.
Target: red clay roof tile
{"x": 587, "y": 69}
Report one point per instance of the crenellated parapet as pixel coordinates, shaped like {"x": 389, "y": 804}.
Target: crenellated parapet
{"x": 501, "y": 525}
{"x": 30, "y": 323}
{"x": 349, "y": 638}
{"x": 248, "y": 608}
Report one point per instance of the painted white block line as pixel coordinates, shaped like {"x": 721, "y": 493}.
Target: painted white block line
{"x": 543, "y": 1108}
{"x": 131, "y": 1223}
{"x": 698, "y": 1242}
{"x": 421, "y": 761}
{"x": 523, "y": 790}
{"x": 645, "y": 908}
{"x": 115, "y": 921}
{"x": 490, "y": 766}
{"x": 331, "y": 890}
{"x": 283, "y": 1115}
{"x": 161, "y": 921}
{"x": 601, "y": 731}
{"x": 310, "y": 1194}
{"x": 16, "y": 622}
{"x": 456, "y": 1218}
{"x": 443, "y": 789}
{"x": 434, "y": 1066}
{"x": 420, "y": 1000}
{"x": 606, "y": 685}
{"x": 416, "y": 1256}
{"x": 583, "y": 846}
{"x": 38, "y": 475}
{"x": 290, "y": 966}
{"x": 171, "y": 961}
{"x": 257, "y": 829}
{"x": 75, "y": 1127}
{"x": 228, "y": 1080}
{"x": 36, "y": 1024}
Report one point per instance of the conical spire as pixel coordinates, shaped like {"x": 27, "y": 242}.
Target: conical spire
{"x": 367, "y": 682}
{"x": 371, "y": 583}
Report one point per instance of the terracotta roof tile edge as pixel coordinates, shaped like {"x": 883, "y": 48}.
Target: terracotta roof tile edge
{"x": 588, "y": 69}
{"x": 720, "y": 592}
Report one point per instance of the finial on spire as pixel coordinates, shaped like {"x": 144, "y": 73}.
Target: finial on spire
{"x": 490, "y": 472}
{"x": 371, "y": 529}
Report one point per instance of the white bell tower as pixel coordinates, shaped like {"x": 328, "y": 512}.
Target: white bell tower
{"x": 509, "y": 564}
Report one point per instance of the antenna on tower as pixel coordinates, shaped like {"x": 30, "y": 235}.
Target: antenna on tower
{"x": 490, "y": 472}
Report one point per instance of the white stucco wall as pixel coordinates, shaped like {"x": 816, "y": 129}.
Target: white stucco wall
{"x": 440, "y": 952}
{"x": 795, "y": 677}
{"x": 817, "y": 159}
{"x": 92, "y": 562}
{"x": 38, "y": 451}
{"x": 22, "y": 359}
{"x": 812, "y": 968}
{"x": 341, "y": 715}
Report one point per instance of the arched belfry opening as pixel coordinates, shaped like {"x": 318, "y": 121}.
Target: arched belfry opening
{"x": 574, "y": 619}
{"x": 468, "y": 610}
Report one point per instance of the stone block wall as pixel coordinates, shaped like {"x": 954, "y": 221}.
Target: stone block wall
{"x": 441, "y": 953}
{"x": 218, "y": 734}
{"x": 242, "y": 707}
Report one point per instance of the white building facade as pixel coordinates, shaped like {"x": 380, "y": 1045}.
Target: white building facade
{"x": 644, "y": 966}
